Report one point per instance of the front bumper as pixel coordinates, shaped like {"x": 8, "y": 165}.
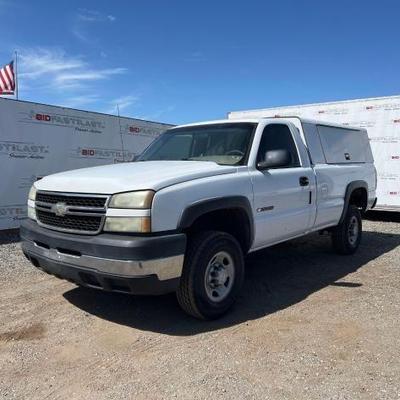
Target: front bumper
{"x": 112, "y": 262}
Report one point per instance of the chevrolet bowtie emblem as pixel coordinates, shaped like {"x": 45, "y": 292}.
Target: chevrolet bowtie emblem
{"x": 60, "y": 209}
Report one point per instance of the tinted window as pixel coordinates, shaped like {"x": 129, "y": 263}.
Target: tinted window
{"x": 278, "y": 137}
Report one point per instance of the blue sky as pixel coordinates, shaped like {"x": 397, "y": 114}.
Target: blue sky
{"x": 183, "y": 61}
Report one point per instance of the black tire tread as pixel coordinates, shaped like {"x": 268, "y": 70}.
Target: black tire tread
{"x": 196, "y": 245}
{"x": 339, "y": 238}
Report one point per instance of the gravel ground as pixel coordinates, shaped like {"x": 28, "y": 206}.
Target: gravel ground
{"x": 309, "y": 325}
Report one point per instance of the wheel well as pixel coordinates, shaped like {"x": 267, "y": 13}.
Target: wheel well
{"x": 233, "y": 221}
{"x": 359, "y": 198}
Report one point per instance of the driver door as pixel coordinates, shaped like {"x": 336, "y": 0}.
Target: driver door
{"x": 283, "y": 195}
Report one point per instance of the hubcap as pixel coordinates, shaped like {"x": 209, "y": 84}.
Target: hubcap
{"x": 353, "y": 230}
{"x": 219, "y": 276}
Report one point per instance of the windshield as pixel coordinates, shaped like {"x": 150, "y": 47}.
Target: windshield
{"x": 226, "y": 144}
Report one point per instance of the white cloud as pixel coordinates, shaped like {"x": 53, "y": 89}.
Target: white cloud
{"x": 71, "y": 78}
{"x": 122, "y": 103}
{"x": 80, "y": 101}
{"x": 52, "y": 75}
{"x": 82, "y": 21}
{"x": 86, "y": 15}
{"x": 40, "y": 61}
{"x": 79, "y": 34}
{"x": 53, "y": 67}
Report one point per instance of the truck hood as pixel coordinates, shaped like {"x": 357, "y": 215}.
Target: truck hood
{"x": 125, "y": 177}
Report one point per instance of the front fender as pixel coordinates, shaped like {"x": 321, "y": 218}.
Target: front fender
{"x": 171, "y": 205}
{"x": 196, "y": 210}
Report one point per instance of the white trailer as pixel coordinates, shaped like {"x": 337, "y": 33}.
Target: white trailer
{"x": 39, "y": 139}
{"x": 380, "y": 116}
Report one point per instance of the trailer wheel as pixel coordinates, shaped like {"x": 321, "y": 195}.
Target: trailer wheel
{"x": 212, "y": 275}
{"x": 346, "y": 236}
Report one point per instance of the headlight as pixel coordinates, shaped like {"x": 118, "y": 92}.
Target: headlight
{"x": 32, "y": 193}
{"x": 128, "y": 224}
{"x": 141, "y": 199}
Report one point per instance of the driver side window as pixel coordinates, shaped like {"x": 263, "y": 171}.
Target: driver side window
{"x": 278, "y": 137}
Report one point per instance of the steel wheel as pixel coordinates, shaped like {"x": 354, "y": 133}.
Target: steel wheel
{"x": 219, "y": 276}
{"x": 353, "y": 230}
{"x": 212, "y": 274}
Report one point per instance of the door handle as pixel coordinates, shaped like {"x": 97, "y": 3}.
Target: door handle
{"x": 303, "y": 180}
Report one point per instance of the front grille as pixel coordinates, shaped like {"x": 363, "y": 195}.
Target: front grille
{"x": 70, "y": 212}
{"x": 70, "y": 222}
{"x": 77, "y": 201}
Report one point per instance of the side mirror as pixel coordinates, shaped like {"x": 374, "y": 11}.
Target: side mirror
{"x": 275, "y": 159}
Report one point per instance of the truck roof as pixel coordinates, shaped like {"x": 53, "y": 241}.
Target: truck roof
{"x": 274, "y": 118}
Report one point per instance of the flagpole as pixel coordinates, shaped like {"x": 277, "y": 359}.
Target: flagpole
{"x": 16, "y": 74}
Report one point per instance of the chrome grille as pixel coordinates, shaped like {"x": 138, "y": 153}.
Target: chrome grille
{"x": 70, "y": 222}
{"x": 69, "y": 212}
{"x": 80, "y": 201}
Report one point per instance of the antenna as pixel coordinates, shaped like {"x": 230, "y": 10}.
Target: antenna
{"x": 120, "y": 135}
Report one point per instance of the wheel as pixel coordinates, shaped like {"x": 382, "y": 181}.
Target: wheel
{"x": 212, "y": 275}
{"x": 346, "y": 236}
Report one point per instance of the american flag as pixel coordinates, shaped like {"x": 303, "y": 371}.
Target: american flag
{"x": 7, "y": 79}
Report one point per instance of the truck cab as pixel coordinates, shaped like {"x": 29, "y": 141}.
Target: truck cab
{"x": 200, "y": 197}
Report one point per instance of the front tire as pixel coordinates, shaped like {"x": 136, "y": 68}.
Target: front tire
{"x": 212, "y": 275}
{"x": 346, "y": 237}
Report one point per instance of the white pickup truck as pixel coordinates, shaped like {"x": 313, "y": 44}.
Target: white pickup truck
{"x": 183, "y": 216}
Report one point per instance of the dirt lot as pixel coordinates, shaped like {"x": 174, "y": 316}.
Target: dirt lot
{"x": 309, "y": 325}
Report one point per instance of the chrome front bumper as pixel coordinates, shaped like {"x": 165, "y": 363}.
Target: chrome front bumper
{"x": 112, "y": 262}
{"x": 163, "y": 268}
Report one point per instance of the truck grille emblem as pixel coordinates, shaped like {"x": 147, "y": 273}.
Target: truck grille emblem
{"x": 60, "y": 209}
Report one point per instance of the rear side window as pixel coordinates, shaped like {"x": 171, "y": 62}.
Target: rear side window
{"x": 343, "y": 145}
{"x": 278, "y": 137}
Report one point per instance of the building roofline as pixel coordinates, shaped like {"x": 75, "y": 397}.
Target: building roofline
{"x": 315, "y": 104}
{"x": 85, "y": 111}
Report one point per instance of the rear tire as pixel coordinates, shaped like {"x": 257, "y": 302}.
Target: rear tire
{"x": 346, "y": 236}
{"x": 212, "y": 275}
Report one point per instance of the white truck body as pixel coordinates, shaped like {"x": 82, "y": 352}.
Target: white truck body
{"x": 292, "y": 215}
{"x": 380, "y": 116}
{"x": 289, "y": 177}
{"x": 38, "y": 140}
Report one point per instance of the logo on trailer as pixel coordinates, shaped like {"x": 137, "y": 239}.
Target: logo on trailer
{"x": 23, "y": 150}
{"x": 146, "y": 131}
{"x": 88, "y": 152}
{"x": 79, "y": 123}
{"x": 43, "y": 117}
{"x": 13, "y": 212}
{"x": 114, "y": 155}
